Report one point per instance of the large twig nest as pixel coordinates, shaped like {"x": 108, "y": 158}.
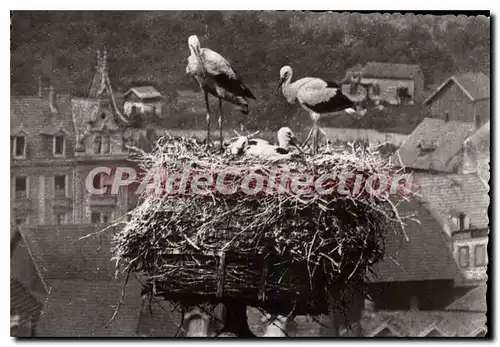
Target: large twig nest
{"x": 278, "y": 250}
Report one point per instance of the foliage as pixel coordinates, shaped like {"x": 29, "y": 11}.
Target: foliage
{"x": 151, "y": 46}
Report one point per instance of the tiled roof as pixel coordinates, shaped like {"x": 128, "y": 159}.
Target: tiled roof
{"x": 32, "y": 114}
{"x": 447, "y": 138}
{"x": 22, "y": 302}
{"x": 427, "y": 254}
{"x": 476, "y": 85}
{"x": 473, "y": 300}
{"x": 420, "y": 323}
{"x": 60, "y": 255}
{"x": 452, "y": 194}
{"x": 384, "y": 70}
{"x": 390, "y": 70}
{"x": 79, "y": 308}
{"x": 144, "y": 92}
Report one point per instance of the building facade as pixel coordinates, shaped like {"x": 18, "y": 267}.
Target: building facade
{"x": 57, "y": 140}
{"x": 463, "y": 98}
{"x": 394, "y": 83}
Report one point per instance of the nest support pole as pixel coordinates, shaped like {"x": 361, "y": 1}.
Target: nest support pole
{"x": 235, "y": 319}
{"x": 232, "y": 313}
{"x": 221, "y": 274}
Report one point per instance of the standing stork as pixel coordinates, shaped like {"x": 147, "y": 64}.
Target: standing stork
{"x": 316, "y": 96}
{"x": 215, "y": 76}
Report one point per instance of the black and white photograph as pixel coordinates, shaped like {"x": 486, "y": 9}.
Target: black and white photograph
{"x": 250, "y": 174}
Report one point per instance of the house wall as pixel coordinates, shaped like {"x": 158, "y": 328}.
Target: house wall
{"x": 472, "y": 272}
{"x": 115, "y": 205}
{"x": 388, "y": 88}
{"x": 452, "y": 100}
{"x": 142, "y": 106}
{"x": 482, "y": 112}
{"x": 40, "y": 203}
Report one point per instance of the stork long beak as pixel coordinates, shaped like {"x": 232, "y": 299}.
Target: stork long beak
{"x": 296, "y": 145}
{"x": 281, "y": 82}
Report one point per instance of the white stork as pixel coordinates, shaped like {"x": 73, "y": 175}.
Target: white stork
{"x": 215, "y": 76}
{"x": 261, "y": 148}
{"x": 316, "y": 96}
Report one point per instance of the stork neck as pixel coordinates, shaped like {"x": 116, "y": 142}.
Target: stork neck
{"x": 289, "y": 90}
{"x": 283, "y": 143}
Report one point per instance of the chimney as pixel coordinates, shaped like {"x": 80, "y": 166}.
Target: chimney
{"x": 52, "y": 99}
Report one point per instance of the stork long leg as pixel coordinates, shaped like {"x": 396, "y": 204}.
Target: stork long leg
{"x": 220, "y": 125}
{"x": 315, "y": 137}
{"x": 308, "y": 138}
{"x": 208, "y": 118}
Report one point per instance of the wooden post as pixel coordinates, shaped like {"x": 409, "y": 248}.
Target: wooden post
{"x": 235, "y": 320}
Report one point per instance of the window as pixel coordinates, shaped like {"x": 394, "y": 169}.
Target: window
{"x": 19, "y": 147}
{"x": 106, "y": 145}
{"x": 59, "y": 218}
{"x": 463, "y": 222}
{"x": 463, "y": 256}
{"x": 376, "y": 90}
{"x": 100, "y": 217}
{"x": 480, "y": 255}
{"x": 21, "y": 187}
{"x": 60, "y": 185}
{"x": 95, "y": 217}
{"x": 97, "y": 145}
{"x": 59, "y": 145}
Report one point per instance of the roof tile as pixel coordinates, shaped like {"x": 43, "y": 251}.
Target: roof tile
{"x": 425, "y": 256}
{"x": 448, "y": 138}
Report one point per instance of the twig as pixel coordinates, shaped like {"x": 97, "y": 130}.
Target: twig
{"x": 122, "y": 297}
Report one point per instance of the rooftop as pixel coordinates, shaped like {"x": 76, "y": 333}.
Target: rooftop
{"x": 144, "y": 92}
{"x": 476, "y": 85}
{"x": 447, "y": 139}
{"x": 385, "y": 70}
{"x": 426, "y": 255}
{"x": 452, "y": 194}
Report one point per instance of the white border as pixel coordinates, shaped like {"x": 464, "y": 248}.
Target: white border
{"x": 205, "y": 5}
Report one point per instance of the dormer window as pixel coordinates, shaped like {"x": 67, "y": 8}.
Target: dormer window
{"x": 19, "y": 149}
{"x": 97, "y": 145}
{"x": 59, "y": 145}
{"x": 463, "y": 222}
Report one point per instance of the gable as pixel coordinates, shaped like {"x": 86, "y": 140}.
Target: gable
{"x": 475, "y": 86}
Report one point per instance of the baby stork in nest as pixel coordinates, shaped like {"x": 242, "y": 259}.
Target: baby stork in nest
{"x": 261, "y": 148}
